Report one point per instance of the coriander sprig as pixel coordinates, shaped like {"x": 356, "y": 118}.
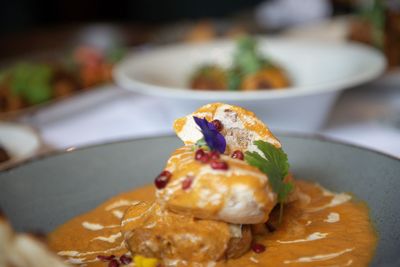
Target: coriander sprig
{"x": 274, "y": 163}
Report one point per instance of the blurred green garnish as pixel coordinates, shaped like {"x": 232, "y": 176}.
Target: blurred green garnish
{"x": 115, "y": 54}
{"x": 247, "y": 60}
{"x": 31, "y": 81}
{"x": 234, "y": 79}
{"x": 246, "y": 56}
{"x": 374, "y": 12}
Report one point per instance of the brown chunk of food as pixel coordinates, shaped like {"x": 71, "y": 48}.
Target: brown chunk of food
{"x": 3, "y": 155}
{"x": 267, "y": 78}
{"x": 239, "y": 245}
{"x": 151, "y": 231}
{"x": 209, "y": 78}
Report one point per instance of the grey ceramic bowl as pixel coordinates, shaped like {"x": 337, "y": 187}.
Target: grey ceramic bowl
{"x": 43, "y": 194}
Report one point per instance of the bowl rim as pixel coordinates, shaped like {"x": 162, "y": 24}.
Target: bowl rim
{"x": 315, "y": 137}
{"x": 122, "y": 78}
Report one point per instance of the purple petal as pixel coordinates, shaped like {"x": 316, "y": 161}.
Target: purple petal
{"x": 202, "y": 123}
{"x": 211, "y": 126}
{"x": 214, "y": 139}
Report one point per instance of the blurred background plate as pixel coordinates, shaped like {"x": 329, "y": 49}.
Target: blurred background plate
{"x": 319, "y": 71}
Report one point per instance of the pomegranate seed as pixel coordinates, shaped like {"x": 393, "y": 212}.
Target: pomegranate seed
{"x": 105, "y": 258}
{"x": 113, "y": 263}
{"x": 258, "y": 248}
{"x": 199, "y": 154}
{"x": 237, "y": 154}
{"x": 218, "y": 125}
{"x": 205, "y": 158}
{"x": 219, "y": 165}
{"x": 162, "y": 179}
{"x": 214, "y": 155}
{"x": 125, "y": 259}
{"x": 187, "y": 183}
{"x": 165, "y": 173}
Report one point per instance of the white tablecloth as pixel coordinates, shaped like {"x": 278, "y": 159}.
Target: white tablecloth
{"x": 366, "y": 116}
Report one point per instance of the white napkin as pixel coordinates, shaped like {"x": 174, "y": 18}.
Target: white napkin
{"x": 106, "y": 115}
{"x": 373, "y": 135}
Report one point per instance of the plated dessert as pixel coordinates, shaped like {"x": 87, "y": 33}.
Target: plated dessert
{"x": 250, "y": 70}
{"x": 225, "y": 198}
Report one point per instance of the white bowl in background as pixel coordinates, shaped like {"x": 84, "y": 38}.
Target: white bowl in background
{"x": 319, "y": 71}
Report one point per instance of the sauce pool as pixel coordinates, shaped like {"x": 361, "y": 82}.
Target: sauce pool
{"x": 319, "y": 229}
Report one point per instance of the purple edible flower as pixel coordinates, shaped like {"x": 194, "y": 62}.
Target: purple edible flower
{"x": 214, "y": 139}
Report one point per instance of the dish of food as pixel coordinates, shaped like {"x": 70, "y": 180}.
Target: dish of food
{"x": 29, "y": 83}
{"x": 318, "y": 71}
{"x": 250, "y": 71}
{"x": 227, "y": 197}
{"x": 150, "y": 72}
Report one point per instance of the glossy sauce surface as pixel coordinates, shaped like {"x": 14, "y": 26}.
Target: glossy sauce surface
{"x": 319, "y": 229}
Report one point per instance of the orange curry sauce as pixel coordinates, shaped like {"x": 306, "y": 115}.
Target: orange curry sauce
{"x": 318, "y": 229}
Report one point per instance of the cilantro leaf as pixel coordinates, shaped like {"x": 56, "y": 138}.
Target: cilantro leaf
{"x": 274, "y": 163}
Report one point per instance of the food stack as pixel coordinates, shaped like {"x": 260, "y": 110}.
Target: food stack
{"x": 215, "y": 194}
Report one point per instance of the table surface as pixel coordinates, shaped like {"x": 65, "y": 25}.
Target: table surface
{"x": 368, "y": 116}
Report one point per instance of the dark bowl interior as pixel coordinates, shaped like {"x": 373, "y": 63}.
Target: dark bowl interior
{"x": 43, "y": 194}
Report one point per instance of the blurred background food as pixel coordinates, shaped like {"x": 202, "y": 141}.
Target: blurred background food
{"x": 29, "y": 83}
{"x": 377, "y": 23}
{"x": 250, "y": 70}
{"x": 56, "y": 61}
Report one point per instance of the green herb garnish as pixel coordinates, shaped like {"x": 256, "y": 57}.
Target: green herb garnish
{"x": 274, "y": 163}
{"x": 201, "y": 143}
